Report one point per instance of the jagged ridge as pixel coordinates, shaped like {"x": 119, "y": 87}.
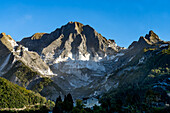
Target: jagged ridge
{"x": 82, "y": 59}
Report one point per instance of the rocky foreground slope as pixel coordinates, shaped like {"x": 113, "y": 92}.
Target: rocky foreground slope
{"x": 72, "y": 59}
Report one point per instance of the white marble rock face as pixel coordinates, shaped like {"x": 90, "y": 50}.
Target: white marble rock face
{"x": 77, "y": 58}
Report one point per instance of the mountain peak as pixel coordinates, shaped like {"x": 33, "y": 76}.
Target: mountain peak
{"x": 8, "y": 41}
{"x": 73, "y": 40}
{"x": 78, "y": 23}
{"x": 5, "y": 36}
{"x": 152, "y": 37}
{"x": 149, "y": 39}
{"x": 75, "y": 24}
{"x": 73, "y": 27}
{"x": 151, "y": 33}
{"x": 37, "y": 36}
{"x": 2, "y": 34}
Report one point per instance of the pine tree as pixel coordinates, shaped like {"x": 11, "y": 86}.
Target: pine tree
{"x": 59, "y": 99}
{"x": 70, "y": 102}
{"x": 66, "y": 105}
{"x": 69, "y": 98}
{"x": 58, "y": 106}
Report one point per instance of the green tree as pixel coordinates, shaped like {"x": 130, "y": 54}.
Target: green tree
{"x": 58, "y": 106}
{"x": 79, "y": 104}
{"x": 69, "y": 102}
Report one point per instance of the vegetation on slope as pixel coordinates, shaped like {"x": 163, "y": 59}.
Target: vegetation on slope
{"x": 14, "y": 96}
{"x": 25, "y": 76}
{"x": 23, "y": 72}
{"x": 45, "y": 81}
{"x": 144, "y": 89}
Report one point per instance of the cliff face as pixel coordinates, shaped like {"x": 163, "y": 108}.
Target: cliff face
{"x": 10, "y": 52}
{"x": 73, "y": 40}
{"x": 24, "y": 67}
{"x": 76, "y": 58}
{"x": 76, "y": 54}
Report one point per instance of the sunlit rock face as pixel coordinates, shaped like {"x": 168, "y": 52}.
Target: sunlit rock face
{"x": 82, "y": 59}
{"x": 75, "y": 53}
{"x": 73, "y": 41}
{"x": 10, "y": 52}
{"x": 13, "y": 55}
{"x": 79, "y": 60}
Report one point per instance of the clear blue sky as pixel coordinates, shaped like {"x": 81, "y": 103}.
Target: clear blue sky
{"x": 121, "y": 20}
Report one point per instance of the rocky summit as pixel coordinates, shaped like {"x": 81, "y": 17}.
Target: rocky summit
{"x": 74, "y": 59}
{"x": 76, "y": 54}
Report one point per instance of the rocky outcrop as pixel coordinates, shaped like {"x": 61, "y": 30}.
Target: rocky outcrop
{"x": 24, "y": 67}
{"x": 76, "y": 58}
{"x": 82, "y": 58}
{"x": 148, "y": 40}
{"x": 152, "y": 37}
{"x": 76, "y": 54}
{"x": 10, "y": 52}
{"x": 74, "y": 40}
{"x": 7, "y": 45}
{"x": 7, "y": 41}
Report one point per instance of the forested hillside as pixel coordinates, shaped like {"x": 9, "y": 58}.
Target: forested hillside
{"x": 148, "y": 91}
{"x": 14, "y": 96}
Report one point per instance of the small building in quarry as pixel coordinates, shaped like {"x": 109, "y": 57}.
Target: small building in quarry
{"x": 90, "y": 102}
